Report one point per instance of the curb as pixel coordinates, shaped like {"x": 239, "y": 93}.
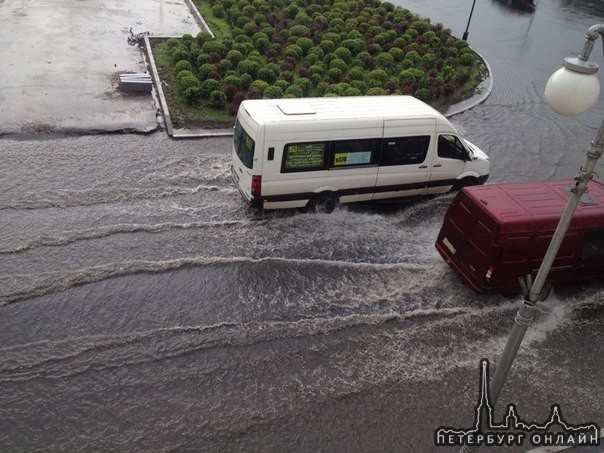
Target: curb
{"x": 164, "y": 104}
{"x": 199, "y": 18}
{"x": 485, "y": 87}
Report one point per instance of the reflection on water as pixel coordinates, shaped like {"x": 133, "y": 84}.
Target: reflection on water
{"x": 516, "y": 6}
{"x": 588, "y": 7}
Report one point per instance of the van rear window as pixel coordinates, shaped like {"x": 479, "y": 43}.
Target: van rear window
{"x": 244, "y": 145}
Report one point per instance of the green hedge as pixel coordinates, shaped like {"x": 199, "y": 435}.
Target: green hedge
{"x": 335, "y": 48}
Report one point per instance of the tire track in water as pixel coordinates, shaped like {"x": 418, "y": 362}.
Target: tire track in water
{"x": 70, "y": 237}
{"x": 75, "y": 198}
{"x": 66, "y": 358}
{"x": 60, "y": 280}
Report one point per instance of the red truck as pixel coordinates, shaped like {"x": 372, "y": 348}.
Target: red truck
{"x": 494, "y": 234}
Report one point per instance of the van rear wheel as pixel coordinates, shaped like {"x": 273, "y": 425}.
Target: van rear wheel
{"x": 324, "y": 204}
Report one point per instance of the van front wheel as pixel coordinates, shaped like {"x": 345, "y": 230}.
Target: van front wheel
{"x": 324, "y": 204}
{"x": 465, "y": 182}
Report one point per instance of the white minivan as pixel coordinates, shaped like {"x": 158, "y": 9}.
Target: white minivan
{"x": 318, "y": 152}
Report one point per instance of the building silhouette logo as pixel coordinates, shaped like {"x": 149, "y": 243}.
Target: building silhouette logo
{"x": 554, "y": 431}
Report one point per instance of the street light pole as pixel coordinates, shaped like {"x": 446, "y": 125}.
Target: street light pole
{"x": 465, "y": 33}
{"x": 570, "y": 91}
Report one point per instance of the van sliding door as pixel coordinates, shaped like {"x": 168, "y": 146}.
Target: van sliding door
{"x": 405, "y": 160}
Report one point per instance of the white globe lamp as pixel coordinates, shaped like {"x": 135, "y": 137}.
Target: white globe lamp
{"x": 574, "y": 88}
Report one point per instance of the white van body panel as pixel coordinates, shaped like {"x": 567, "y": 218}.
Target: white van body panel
{"x": 347, "y": 141}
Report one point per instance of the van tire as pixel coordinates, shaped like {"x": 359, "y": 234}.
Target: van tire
{"x": 324, "y": 204}
{"x": 465, "y": 182}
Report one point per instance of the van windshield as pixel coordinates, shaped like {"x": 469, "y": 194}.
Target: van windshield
{"x": 244, "y": 145}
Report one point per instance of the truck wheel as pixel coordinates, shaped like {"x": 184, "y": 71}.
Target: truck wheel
{"x": 325, "y": 204}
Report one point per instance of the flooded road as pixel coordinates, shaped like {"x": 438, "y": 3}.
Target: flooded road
{"x": 143, "y": 309}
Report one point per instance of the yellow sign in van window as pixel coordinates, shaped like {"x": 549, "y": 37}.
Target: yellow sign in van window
{"x": 305, "y": 155}
{"x": 358, "y": 158}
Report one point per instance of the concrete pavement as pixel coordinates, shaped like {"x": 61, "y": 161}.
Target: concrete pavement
{"x": 61, "y": 61}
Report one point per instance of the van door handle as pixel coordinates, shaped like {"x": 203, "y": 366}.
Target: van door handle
{"x": 423, "y": 166}
{"x": 437, "y": 165}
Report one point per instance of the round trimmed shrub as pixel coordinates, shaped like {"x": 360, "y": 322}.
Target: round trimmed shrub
{"x": 293, "y": 91}
{"x": 232, "y": 80}
{"x": 213, "y": 46}
{"x": 235, "y": 56}
{"x": 190, "y": 88}
{"x": 293, "y": 51}
{"x": 305, "y": 44}
{"x": 378, "y": 74}
{"x": 466, "y": 59}
{"x": 397, "y": 54}
{"x": 423, "y": 94}
{"x": 299, "y": 30}
{"x": 304, "y": 83}
{"x": 218, "y": 11}
{"x": 205, "y": 69}
{"x": 375, "y": 91}
{"x": 327, "y": 46}
{"x": 335, "y": 74}
{"x": 273, "y": 92}
{"x": 344, "y": 54}
{"x": 259, "y": 85}
{"x": 267, "y": 75}
{"x": 317, "y": 69}
{"x": 356, "y": 74}
{"x": 385, "y": 60}
{"x": 207, "y": 86}
{"x": 352, "y": 91}
{"x": 172, "y": 43}
{"x": 250, "y": 67}
{"x": 217, "y": 99}
{"x": 340, "y": 64}
{"x": 183, "y": 73}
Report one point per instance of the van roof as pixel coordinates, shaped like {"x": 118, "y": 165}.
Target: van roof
{"x": 531, "y": 205}
{"x": 339, "y": 108}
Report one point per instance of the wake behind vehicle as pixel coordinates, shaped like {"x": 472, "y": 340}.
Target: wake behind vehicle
{"x": 318, "y": 152}
{"x": 494, "y": 234}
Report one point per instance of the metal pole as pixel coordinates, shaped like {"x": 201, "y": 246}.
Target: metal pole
{"x": 465, "y": 33}
{"x": 526, "y": 312}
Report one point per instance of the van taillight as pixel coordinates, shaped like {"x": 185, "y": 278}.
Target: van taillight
{"x": 256, "y": 185}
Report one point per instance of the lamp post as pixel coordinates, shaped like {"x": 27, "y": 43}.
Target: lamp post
{"x": 571, "y": 90}
{"x": 465, "y": 33}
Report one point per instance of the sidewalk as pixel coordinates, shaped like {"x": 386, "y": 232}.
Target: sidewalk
{"x": 62, "y": 60}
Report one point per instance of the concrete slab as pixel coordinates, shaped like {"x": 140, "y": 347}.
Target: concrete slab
{"x": 61, "y": 61}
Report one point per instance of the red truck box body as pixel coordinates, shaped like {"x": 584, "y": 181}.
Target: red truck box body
{"x": 494, "y": 234}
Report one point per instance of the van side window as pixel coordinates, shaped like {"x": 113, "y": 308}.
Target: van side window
{"x": 405, "y": 150}
{"x": 304, "y": 157}
{"x": 346, "y": 153}
{"x": 593, "y": 243}
{"x": 450, "y": 147}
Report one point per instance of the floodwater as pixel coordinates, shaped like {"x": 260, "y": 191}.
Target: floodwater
{"x": 143, "y": 309}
